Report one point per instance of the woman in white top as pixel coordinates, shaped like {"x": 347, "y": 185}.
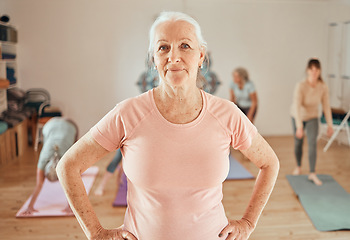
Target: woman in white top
{"x": 243, "y": 93}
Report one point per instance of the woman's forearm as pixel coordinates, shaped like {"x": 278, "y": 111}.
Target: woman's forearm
{"x": 251, "y": 111}
{"x": 254, "y": 105}
{"x": 78, "y": 199}
{"x": 232, "y": 96}
{"x": 74, "y": 162}
{"x": 262, "y": 155}
{"x": 40, "y": 177}
{"x": 262, "y": 190}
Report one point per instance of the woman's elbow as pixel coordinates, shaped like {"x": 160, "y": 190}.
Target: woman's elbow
{"x": 275, "y": 165}
{"x": 62, "y": 168}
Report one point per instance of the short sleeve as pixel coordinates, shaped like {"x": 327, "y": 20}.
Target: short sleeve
{"x": 243, "y": 131}
{"x": 251, "y": 87}
{"x": 109, "y": 132}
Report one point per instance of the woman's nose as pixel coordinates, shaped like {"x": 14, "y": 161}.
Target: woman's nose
{"x": 174, "y": 56}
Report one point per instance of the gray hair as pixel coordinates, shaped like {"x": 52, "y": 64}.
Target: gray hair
{"x": 176, "y": 16}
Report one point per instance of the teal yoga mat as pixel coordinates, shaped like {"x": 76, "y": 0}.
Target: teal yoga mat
{"x": 237, "y": 171}
{"x": 328, "y": 206}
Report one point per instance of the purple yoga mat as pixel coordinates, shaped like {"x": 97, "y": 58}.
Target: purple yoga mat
{"x": 120, "y": 199}
{"x": 52, "y": 200}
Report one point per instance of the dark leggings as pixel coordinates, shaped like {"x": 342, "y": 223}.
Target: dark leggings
{"x": 311, "y": 128}
{"x": 246, "y": 110}
{"x": 115, "y": 161}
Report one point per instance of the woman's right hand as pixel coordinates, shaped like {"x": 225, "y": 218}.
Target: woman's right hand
{"x": 114, "y": 234}
{"x": 299, "y": 133}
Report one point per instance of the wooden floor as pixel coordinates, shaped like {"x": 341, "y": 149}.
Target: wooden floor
{"x": 283, "y": 217}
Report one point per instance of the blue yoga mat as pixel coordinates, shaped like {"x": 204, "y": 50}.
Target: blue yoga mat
{"x": 237, "y": 171}
{"x": 328, "y": 206}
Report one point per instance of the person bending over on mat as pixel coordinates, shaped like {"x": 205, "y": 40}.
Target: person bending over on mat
{"x": 58, "y": 133}
{"x": 175, "y": 141}
{"x": 243, "y": 93}
{"x": 109, "y": 173}
{"x": 308, "y": 95}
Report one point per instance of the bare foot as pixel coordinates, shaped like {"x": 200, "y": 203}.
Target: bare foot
{"x": 313, "y": 177}
{"x": 297, "y": 171}
{"x": 98, "y": 192}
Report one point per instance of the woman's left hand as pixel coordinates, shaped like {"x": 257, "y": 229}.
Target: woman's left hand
{"x": 237, "y": 230}
{"x": 330, "y": 131}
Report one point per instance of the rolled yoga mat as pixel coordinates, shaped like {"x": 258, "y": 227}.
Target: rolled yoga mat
{"x": 237, "y": 171}
{"x": 52, "y": 200}
{"x": 328, "y": 206}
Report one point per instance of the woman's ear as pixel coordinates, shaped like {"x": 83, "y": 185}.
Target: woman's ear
{"x": 201, "y": 56}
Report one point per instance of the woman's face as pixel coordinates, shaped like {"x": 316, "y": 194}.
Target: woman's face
{"x": 313, "y": 73}
{"x": 237, "y": 78}
{"x": 177, "y": 54}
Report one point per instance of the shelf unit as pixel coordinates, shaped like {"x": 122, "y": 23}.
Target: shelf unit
{"x": 14, "y": 141}
{"x": 8, "y": 67}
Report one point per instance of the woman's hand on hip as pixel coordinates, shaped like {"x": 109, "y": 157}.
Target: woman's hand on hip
{"x": 237, "y": 230}
{"x": 114, "y": 234}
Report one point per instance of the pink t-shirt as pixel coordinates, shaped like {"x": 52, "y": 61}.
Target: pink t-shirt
{"x": 175, "y": 171}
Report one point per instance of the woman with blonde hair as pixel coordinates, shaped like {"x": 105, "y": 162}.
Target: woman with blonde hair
{"x": 243, "y": 93}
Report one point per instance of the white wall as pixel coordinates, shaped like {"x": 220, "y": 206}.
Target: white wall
{"x": 339, "y": 12}
{"x": 273, "y": 40}
{"x": 89, "y": 54}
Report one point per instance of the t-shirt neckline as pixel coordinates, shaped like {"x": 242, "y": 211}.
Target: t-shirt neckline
{"x": 179, "y": 125}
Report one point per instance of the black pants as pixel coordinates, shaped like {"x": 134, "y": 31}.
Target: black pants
{"x": 246, "y": 110}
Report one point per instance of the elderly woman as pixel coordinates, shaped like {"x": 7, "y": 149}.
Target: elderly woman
{"x": 175, "y": 140}
{"x": 243, "y": 93}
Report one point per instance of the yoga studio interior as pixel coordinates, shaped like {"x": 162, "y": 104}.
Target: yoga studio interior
{"x": 83, "y": 83}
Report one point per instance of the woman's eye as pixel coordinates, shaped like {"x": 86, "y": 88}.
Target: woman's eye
{"x": 185, "y": 45}
{"x": 162, "y": 48}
